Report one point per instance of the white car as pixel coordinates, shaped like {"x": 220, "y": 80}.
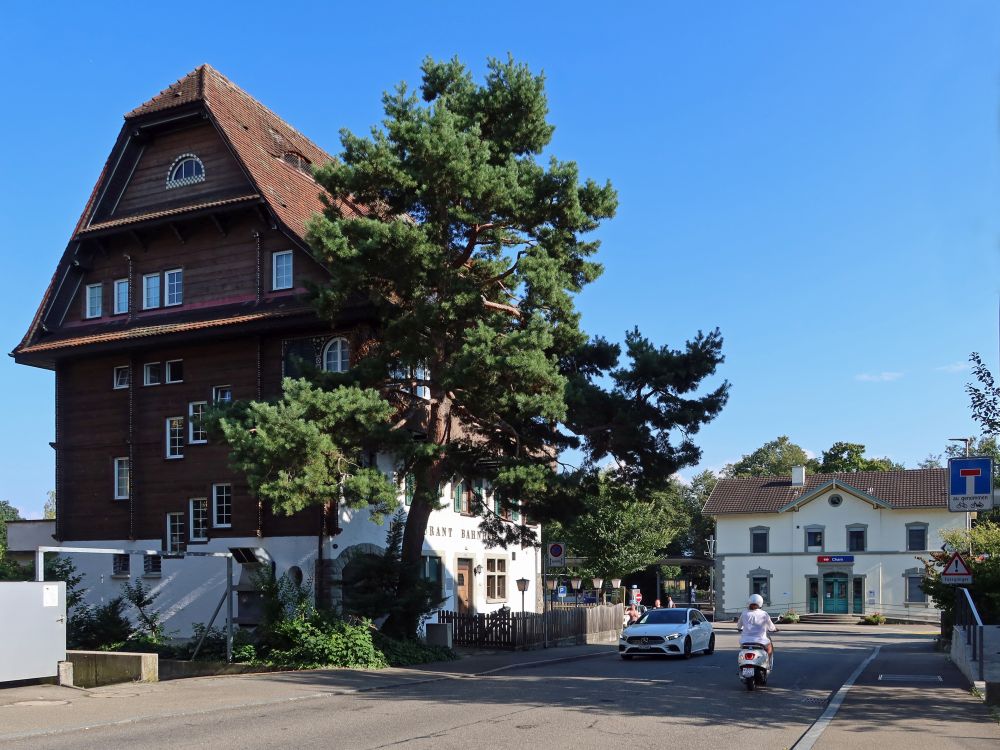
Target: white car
{"x": 667, "y": 631}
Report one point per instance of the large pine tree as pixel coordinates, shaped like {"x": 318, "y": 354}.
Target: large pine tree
{"x": 469, "y": 264}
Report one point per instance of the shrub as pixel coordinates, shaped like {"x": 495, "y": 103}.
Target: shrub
{"x": 404, "y": 653}
{"x": 98, "y": 627}
{"x": 315, "y": 642}
{"x": 875, "y": 618}
{"x": 214, "y": 646}
{"x": 790, "y": 617}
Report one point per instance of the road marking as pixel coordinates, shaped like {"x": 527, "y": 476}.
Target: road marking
{"x": 807, "y": 740}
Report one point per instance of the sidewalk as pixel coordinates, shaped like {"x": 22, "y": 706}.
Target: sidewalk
{"x": 909, "y": 709}
{"x": 43, "y": 709}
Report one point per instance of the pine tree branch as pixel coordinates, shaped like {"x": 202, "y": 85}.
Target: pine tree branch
{"x": 501, "y": 307}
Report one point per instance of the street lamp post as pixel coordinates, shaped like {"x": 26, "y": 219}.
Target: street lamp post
{"x": 576, "y": 581}
{"x": 522, "y": 586}
{"x": 599, "y": 585}
{"x": 550, "y": 584}
{"x": 616, "y": 583}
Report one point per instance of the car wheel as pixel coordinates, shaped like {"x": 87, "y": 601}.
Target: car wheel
{"x": 687, "y": 647}
{"x": 711, "y": 645}
{"x": 626, "y": 657}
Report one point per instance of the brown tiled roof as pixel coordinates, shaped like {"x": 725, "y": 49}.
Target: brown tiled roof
{"x": 155, "y": 329}
{"x": 260, "y": 138}
{"x": 907, "y": 488}
{"x": 139, "y": 218}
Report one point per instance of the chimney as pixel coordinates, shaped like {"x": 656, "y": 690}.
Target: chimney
{"x": 798, "y": 476}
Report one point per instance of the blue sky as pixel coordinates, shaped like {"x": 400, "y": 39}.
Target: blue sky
{"x": 818, "y": 180}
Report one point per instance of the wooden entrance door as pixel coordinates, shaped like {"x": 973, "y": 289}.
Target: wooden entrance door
{"x": 463, "y": 586}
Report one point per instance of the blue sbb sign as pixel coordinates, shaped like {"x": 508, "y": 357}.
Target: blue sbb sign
{"x": 970, "y": 484}
{"x": 835, "y": 558}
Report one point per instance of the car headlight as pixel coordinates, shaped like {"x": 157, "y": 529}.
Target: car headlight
{"x": 673, "y": 636}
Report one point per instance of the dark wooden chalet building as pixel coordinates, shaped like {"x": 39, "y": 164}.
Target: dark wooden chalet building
{"x": 182, "y": 284}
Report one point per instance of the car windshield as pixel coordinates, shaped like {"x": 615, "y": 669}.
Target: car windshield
{"x": 664, "y": 617}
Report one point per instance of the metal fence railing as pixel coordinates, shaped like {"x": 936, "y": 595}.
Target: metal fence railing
{"x": 967, "y": 617}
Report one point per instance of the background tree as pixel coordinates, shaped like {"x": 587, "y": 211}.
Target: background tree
{"x": 980, "y": 546}
{"x": 7, "y": 513}
{"x": 850, "y": 457}
{"x": 468, "y": 262}
{"x": 618, "y": 533}
{"x": 49, "y": 511}
{"x": 774, "y": 458}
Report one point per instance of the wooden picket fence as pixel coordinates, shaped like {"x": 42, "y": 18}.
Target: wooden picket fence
{"x": 505, "y": 629}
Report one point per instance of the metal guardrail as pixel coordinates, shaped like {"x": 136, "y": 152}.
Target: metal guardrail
{"x": 967, "y": 616}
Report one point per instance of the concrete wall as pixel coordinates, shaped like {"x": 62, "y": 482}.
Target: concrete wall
{"x": 95, "y": 668}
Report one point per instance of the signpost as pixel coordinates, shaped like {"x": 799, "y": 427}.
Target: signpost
{"x": 970, "y": 484}
{"x": 956, "y": 572}
{"x": 557, "y": 555}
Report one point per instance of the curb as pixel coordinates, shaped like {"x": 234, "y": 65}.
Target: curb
{"x": 530, "y": 664}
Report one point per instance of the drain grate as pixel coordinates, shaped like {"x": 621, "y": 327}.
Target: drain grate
{"x": 910, "y": 678}
{"x": 815, "y": 701}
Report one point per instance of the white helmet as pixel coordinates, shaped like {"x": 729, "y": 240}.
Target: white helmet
{"x": 756, "y": 599}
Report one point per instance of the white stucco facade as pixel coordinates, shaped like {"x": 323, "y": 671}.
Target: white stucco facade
{"x": 190, "y": 588}
{"x": 861, "y": 559}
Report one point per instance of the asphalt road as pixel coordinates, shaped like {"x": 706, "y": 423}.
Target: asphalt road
{"x": 594, "y": 702}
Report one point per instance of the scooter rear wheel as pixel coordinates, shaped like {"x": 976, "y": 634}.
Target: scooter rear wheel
{"x": 749, "y": 682}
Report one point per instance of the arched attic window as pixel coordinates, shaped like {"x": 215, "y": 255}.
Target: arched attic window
{"x": 337, "y": 355}
{"x": 187, "y": 169}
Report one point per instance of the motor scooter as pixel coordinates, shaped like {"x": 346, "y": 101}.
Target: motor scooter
{"x": 753, "y": 664}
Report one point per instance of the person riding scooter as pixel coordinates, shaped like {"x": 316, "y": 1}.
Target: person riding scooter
{"x": 755, "y": 624}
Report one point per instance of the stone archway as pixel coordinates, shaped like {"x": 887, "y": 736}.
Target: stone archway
{"x": 335, "y": 579}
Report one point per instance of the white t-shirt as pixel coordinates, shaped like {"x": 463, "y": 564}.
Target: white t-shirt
{"x": 756, "y": 624}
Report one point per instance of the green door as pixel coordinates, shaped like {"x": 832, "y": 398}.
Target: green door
{"x": 814, "y": 595}
{"x": 858, "y": 596}
{"x": 835, "y": 593}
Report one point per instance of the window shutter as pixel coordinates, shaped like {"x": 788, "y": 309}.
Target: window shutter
{"x": 458, "y": 486}
{"x": 515, "y": 513}
{"x": 408, "y": 483}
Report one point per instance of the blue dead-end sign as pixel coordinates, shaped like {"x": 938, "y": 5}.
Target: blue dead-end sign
{"x": 970, "y": 484}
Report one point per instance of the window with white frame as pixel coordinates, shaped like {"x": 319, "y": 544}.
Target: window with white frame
{"x": 175, "y": 437}
{"x": 222, "y": 394}
{"x": 175, "y": 532}
{"x": 337, "y": 355}
{"x": 281, "y": 270}
{"x": 222, "y": 505}
{"x": 152, "y": 566}
{"x": 122, "y": 376}
{"x": 496, "y": 578}
{"x": 121, "y": 470}
{"x": 187, "y": 169}
{"x": 173, "y": 281}
{"x": 92, "y": 301}
{"x": 175, "y": 371}
{"x": 121, "y": 296}
{"x": 152, "y": 373}
{"x": 196, "y": 422}
{"x": 916, "y": 537}
{"x": 759, "y": 540}
{"x": 199, "y": 519}
{"x": 150, "y": 291}
{"x": 121, "y": 565}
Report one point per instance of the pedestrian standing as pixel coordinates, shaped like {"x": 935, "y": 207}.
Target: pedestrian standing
{"x": 670, "y": 602}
